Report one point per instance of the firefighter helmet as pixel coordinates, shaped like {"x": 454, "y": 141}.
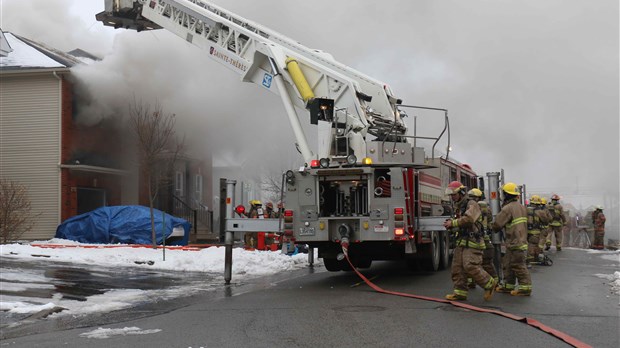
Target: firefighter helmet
{"x": 511, "y": 189}
{"x": 535, "y": 199}
{"x": 475, "y": 192}
{"x": 543, "y": 200}
{"x": 599, "y": 207}
{"x": 454, "y": 188}
{"x": 555, "y": 197}
{"x": 255, "y": 202}
{"x": 269, "y": 205}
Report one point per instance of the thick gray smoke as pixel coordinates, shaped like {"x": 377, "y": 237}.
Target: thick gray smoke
{"x": 532, "y": 87}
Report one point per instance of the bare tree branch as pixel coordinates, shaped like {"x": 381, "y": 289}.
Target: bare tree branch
{"x": 158, "y": 148}
{"x": 16, "y": 216}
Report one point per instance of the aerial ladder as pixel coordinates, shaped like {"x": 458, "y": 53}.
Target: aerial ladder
{"x": 365, "y": 189}
{"x": 344, "y": 104}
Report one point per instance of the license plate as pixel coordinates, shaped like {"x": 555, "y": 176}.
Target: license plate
{"x": 381, "y": 228}
{"x": 306, "y": 231}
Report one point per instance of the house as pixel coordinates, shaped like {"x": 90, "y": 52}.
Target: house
{"x": 71, "y": 168}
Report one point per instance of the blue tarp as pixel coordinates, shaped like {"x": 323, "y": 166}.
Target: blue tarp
{"x": 126, "y": 224}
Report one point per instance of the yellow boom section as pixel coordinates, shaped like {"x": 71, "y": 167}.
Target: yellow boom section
{"x": 299, "y": 79}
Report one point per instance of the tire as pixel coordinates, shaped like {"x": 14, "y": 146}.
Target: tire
{"x": 431, "y": 259}
{"x": 331, "y": 264}
{"x": 444, "y": 249}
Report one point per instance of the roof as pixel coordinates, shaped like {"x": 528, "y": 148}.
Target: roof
{"x": 80, "y": 53}
{"x": 5, "y": 48}
{"x": 27, "y": 55}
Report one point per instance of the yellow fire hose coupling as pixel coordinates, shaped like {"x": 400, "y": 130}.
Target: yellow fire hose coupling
{"x": 299, "y": 79}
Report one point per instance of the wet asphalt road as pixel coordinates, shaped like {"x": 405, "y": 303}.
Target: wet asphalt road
{"x": 39, "y": 282}
{"x": 314, "y": 308}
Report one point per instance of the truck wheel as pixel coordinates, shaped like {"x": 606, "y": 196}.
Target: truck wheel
{"x": 431, "y": 259}
{"x": 444, "y": 256}
{"x": 331, "y": 264}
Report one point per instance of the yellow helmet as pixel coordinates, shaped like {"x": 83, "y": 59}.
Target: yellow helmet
{"x": 511, "y": 189}
{"x": 535, "y": 199}
{"x": 543, "y": 200}
{"x": 475, "y": 192}
{"x": 255, "y": 202}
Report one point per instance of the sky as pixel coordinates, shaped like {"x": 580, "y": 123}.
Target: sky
{"x": 246, "y": 265}
{"x": 532, "y": 87}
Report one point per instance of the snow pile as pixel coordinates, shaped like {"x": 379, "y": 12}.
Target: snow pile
{"x": 614, "y": 281}
{"x": 209, "y": 260}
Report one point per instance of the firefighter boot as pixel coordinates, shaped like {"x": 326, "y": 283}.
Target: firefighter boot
{"x": 458, "y": 295}
{"x": 505, "y": 289}
{"x": 521, "y": 292}
{"x": 489, "y": 289}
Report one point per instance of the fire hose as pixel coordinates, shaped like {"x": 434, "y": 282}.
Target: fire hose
{"x": 529, "y": 321}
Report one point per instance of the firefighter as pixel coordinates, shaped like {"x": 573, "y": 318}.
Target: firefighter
{"x": 537, "y": 216}
{"x": 256, "y": 208}
{"x": 598, "y": 219}
{"x": 557, "y": 223}
{"x": 469, "y": 244}
{"x": 269, "y": 212}
{"x": 513, "y": 217}
{"x": 544, "y": 226}
{"x": 485, "y": 219}
{"x": 255, "y": 212}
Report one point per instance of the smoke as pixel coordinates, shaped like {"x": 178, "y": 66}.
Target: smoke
{"x": 531, "y": 87}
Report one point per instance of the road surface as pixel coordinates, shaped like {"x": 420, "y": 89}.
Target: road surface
{"x": 315, "y": 308}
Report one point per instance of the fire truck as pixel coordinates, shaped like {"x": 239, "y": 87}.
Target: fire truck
{"x": 367, "y": 188}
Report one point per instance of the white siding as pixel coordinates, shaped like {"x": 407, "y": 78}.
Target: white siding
{"x": 30, "y": 144}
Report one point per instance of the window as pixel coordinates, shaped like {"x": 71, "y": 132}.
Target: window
{"x": 178, "y": 184}
{"x": 198, "y": 186}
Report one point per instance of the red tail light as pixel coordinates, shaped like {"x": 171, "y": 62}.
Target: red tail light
{"x": 288, "y": 213}
{"x": 240, "y": 209}
{"x": 399, "y": 211}
{"x": 399, "y": 231}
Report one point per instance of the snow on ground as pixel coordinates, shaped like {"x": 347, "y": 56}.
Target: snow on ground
{"x": 246, "y": 265}
{"x": 614, "y": 279}
{"x": 210, "y": 260}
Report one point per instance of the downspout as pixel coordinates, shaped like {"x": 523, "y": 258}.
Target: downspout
{"x": 59, "y": 216}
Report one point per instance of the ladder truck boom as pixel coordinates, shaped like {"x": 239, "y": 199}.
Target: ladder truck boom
{"x": 346, "y": 105}
{"x": 371, "y": 194}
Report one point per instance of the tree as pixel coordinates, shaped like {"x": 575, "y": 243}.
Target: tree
{"x": 271, "y": 183}
{"x": 271, "y": 186}
{"x": 16, "y": 216}
{"x": 158, "y": 149}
